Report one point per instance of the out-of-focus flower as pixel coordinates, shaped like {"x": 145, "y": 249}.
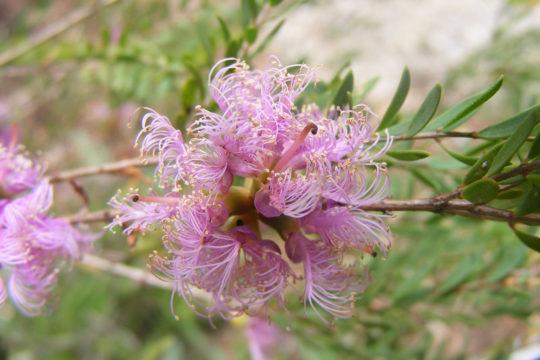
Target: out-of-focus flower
{"x": 304, "y": 174}
{"x": 34, "y": 247}
{"x": 17, "y": 172}
{"x": 265, "y": 340}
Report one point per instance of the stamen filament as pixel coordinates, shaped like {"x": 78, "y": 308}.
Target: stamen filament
{"x": 311, "y": 127}
{"x": 156, "y": 199}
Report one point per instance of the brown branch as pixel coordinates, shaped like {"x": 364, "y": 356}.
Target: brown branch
{"x": 522, "y": 169}
{"x": 453, "y": 207}
{"x": 140, "y": 276}
{"x": 93, "y": 217}
{"x": 113, "y": 167}
{"x": 53, "y": 30}
{"x": 440, "y": 134}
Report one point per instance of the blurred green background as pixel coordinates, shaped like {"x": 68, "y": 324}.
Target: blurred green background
{"x": 450, "y": 288}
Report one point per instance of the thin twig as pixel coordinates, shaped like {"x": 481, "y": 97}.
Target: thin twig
{"x": 139, "y": 276}
{"x": 53, "y": 30}
{"x": 440, "y": 134}
{"x": 522, "y": 169}
{"x": 93, "y": 217}
{"x": 453, "y": 207}
{"x": 108, "y": 168}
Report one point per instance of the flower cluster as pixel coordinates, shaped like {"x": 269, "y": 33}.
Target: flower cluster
{"x": 261, "y": 170}
{"x": 33, "y": 246}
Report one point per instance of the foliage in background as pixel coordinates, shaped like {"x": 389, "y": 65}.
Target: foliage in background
{"x": 451, "y": 287}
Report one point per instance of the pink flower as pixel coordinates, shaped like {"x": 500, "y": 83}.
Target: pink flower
{"x": 266, "y": 340}
{"x": 34, "y": 248}
{"x": 303, "y": 174}
{"x": 17, "y": 172}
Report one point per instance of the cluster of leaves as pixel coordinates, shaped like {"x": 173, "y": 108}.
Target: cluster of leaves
{"x": 500, "y": 167}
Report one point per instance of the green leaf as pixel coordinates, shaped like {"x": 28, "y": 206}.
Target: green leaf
{"x": 232, "y": 48}
{"x": 188, "y": 93}
{"x": 264, "y": 44}
{"x": 531, "y": 241}
{"x": 530, "y": 202}
{"x": 207, "y": 44}
{"x": 425, "y": 178}
{"x": 411, "y": 285}
{"x": 426, "y": 111}
{"x": 397, "y": 100}
{"x": 460, "y": 274}
{"x": 399, "y": 128}
{"x": 275, "y": 2}
{"x": 534, "y": 179}
{"x": 481, "y": 167}
{"x": 224, "y": 29}
{"x": 251, "y": 34}
{"x": 507, "y": 127}
{"x": 511, "y": 258}
{"x": 408, "y": 155}
{"x": 481, "y": 191}
{"x": 368, "y": 86}
{"x": 510, "y": 194}
{"x": 467, "y": 160}
{"x": 343, "y": 95}
{"x": 464, "y": 108}
{"x": 535, "y": 148}
{"x": 513, "y": 144}
{"x": 249, "y": 11}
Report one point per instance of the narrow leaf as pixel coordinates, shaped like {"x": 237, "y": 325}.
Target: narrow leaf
{"x": 399, "y": 128}
{"x": 509, "y": 260}
{"x": 224, "y": 29}
{"x": 426, "y": 111}
{"x": 479, "y": 101}
{"x": 275, "y": 2}
{"x": 481, "y": 191}
{"x": 530, "y": 202}
{"x": 510, "y": 194}
{"x": 232, "y": 48}
{"x": 531, "y": 241}
{"x": 460, "y": 274}
{"x": 506, "y": 127}
{"x": 249, "y": 11}
{"x": 369, "y": 85}
{"x": 425, "y": 178}
{"x": 397, "y": 100}
{"x": 467, "y": 160}
{"x": 188, "y": 93}
{"x": 264, "y": 44}
{"x": 464, "y": 108}
{"x": 481, "y": 167}
{"x": 513, "y": 144}
{"x": 408, "y": 155}
{"x": 343, "y": 96}
{"x": 534, "y": 179}
{"x": 535, "y": 148}
{"x": 251, "y": 34}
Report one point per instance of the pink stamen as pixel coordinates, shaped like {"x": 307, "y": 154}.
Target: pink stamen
{"x": 156, "y": 199}
{"x": 311, "y": 127}
{"x": 14, "y": 136}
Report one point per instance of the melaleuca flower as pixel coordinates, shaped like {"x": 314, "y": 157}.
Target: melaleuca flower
{"x": 34, "y": 247}
{"x": 17, "y": 172}
{"x": 266, "y": 340}
{"x": 300, "y": 177}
